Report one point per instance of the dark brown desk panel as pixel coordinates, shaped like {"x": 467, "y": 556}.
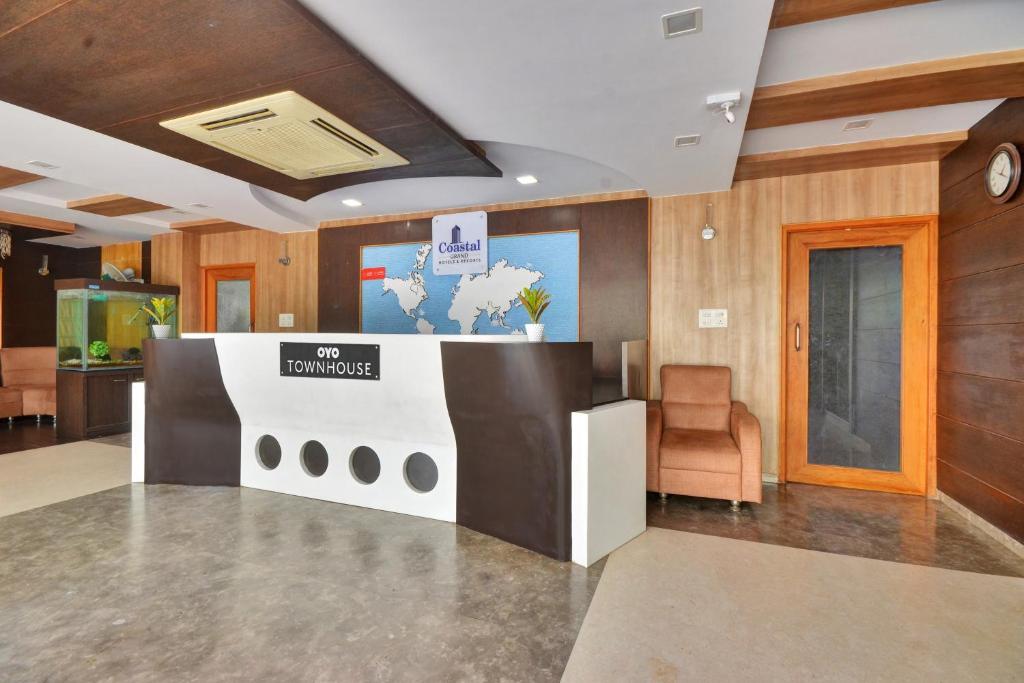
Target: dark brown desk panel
{"x": 510, "y": 406}
{"x": 193, "y": 434}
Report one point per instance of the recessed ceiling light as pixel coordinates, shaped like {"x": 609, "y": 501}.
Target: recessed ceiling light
{"x": 178, "y": 212}
{"x": 200, "y": 206}
{"x": 859, "y": 124}
{"x": 687, "y": 140}
{"x": 351, "y": 202}
{"x": 42, "y": 164}
{"x": 526, "y": 180}
{"x": 681, "y": 23}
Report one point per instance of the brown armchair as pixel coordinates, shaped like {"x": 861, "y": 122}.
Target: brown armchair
{"x": 699, "y": 441}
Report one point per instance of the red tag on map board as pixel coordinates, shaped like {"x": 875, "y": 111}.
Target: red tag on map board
{"x": 373, "y": 273}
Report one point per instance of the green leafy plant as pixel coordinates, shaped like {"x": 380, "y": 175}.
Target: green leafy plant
{"x": 99, "y": 349}
{"x": 535, "y": 301}
{"x": 160, "y": 310}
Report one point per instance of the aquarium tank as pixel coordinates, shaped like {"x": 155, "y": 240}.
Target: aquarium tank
{"x": 101, "y": 328}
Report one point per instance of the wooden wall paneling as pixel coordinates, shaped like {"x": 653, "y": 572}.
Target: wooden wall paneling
{"x": 738, "y": 270}
{"x": 906, "y": 190}
{"x": 176, "y": 262}
{"x": 988, "y": 245}
{"x": 905, "y": 86}
{"x": 280, "y": 289}
{"x": 888, "y": 152}
{"x": 985, "y": 350}
{"x": 966, "y": 203}
{"x": 10, "y": 177}
{"x": 999, "y": 126}
{"x": 123, "y": 255}
{"x": 793, "y": 12}
{"x": 999, "y": 508}
{"x": 984, "y": 455}
{"x": 987, "y": 403}
{"x": 992, "y": 297}
{"x": 114, "y": 205}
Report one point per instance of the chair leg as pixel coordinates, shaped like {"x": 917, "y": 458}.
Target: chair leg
{"x": 39, "y": 419}
{"x": 663, "y": 497}
{"x": 734, "y": 505}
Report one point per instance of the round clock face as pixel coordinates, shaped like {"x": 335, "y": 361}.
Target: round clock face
{"x": 1000, "y": 173}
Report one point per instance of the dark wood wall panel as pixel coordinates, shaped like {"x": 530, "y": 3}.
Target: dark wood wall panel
{"x": 983, "y": 299}
{"x": 29, "y": 314}
{"x": 613, "y": 267}
{"x": 995, "y": 405}
{"x": 984, "y": 455}
{"x": 980, "y": 424}
{"x": 987, "y": 350}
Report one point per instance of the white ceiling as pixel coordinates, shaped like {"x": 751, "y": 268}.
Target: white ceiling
{"x": 584, "y": 94}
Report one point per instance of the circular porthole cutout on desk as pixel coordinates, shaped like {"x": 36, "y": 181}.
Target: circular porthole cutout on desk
{"x": 313, "y": 457}
{"x": 364, "y": 463}
{"x": 268, "y": 452}
{"x": 420, "y": 472}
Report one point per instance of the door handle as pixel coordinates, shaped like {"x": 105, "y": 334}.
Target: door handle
{"x": 798, "y": 336}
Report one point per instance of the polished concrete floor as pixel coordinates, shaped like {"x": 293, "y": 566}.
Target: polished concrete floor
{"x": 170, "y": 583}
{"x": 881, "y": 526}
{"x": 676, "y": 606}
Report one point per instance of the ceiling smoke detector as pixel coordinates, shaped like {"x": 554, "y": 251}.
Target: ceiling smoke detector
{"x": 287, "y": 133}
{"x": 682, "y": 23}
{"x": 859, "y": 124}
{"x": 686, "y": 141}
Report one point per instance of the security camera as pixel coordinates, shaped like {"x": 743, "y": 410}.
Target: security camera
{"x": 723, "y": 104}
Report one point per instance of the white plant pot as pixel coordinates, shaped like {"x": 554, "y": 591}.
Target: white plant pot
{"x": 161, "y": 331}
{"x": 535, "y": 333}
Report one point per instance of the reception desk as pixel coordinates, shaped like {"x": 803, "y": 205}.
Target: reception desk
{"x": 489, "y": 432}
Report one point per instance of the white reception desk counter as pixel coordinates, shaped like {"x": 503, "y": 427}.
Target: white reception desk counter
{"x": 370, "y": 420}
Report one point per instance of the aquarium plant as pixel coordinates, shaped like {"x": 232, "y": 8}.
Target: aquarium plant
{"x": 99, "y": 350}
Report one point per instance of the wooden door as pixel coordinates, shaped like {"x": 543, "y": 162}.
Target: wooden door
{"x": 229, "y": 298}
{"x": 859, "y": 354}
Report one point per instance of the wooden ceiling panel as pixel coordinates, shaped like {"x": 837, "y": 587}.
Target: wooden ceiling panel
{"x": 14, "y": 14}
{"x": 792, "y": 12}
{"x": 114, "y": 205}
{"x": 10, "y": 177}
{"x": 210, "y": 226}
{"x": 47, "y": 224}
{"x": 121, "y": 71}
{"x": 907, "y": 86}
{"x": 888, "y": 152}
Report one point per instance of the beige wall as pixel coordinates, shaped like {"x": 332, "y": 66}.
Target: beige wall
{"x": 739, "y": 269}
{"x": 179, "y": 258}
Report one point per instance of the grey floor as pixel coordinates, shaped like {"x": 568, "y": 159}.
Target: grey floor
{"x": 159, "y": 583}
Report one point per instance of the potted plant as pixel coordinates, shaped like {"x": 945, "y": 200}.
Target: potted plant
{"x": 160, "y": 313}
{"x": 535, "y": 301}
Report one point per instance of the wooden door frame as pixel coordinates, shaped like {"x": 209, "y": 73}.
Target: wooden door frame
{"x": 204, "y": 293}
{"x": 930, "y": 223}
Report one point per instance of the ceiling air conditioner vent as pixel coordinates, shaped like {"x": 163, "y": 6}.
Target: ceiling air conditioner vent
{"x": 289, "y": 134}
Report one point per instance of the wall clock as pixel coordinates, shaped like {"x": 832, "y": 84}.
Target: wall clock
{"x": 1002, "y": 174}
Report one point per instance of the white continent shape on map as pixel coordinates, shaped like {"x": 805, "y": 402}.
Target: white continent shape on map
{"x": 411, "y": 291}
{"x": 421, "y": 256}
{"x": 495, "y": 292}
{"x": 423, "y": 326}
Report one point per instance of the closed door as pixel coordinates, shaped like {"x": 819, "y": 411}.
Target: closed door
{"x": 858, "y": 354}
{"x": 229, "y": 300}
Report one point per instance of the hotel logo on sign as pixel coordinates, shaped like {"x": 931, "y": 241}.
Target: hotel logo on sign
{"x": 460, "y": 243}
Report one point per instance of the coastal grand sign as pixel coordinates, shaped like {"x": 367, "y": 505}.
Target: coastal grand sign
{"x": 330, "y": 361}
{"x": 460, "y": 243}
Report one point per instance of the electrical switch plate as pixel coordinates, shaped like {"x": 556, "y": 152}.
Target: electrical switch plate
{"x": 713, "y": 317}
{"x": 286, "y": 320}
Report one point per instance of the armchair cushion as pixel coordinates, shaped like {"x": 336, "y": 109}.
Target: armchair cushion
{"x": 696, "y": 397}
{"x": 699, "y": 449}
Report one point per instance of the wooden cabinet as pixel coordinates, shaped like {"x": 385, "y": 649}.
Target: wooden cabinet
{"x": 95, "y": 402}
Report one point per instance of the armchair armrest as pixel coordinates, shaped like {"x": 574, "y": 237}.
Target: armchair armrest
{"x": 746, "y": 432}
{"x": 653, "y": 445}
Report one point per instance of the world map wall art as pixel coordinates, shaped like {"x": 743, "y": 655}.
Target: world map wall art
{"x": 401, "y": 295}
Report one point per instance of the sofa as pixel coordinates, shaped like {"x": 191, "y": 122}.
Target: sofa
{"x": 29, "y": 381}
{"x": 699, "y": 441}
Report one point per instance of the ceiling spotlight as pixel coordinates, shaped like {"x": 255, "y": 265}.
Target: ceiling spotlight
{"x": 526, "y": 180}
{"x": 723, "y": 103}
{"x": 200, "y": 206}
{"x": 859, "y": 124}
{"x": 42, "y": 164}
{"x": 44, "y": 270}
{"x": 351, "y": 202}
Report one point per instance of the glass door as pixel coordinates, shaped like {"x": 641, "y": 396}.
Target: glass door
{"x": 229, "y": 300}
{"x": 857, "y": 362}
